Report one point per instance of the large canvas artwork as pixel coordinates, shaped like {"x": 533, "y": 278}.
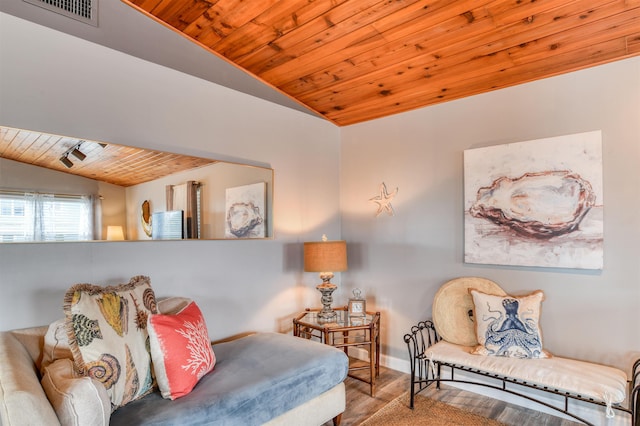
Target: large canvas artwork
{"x": 535, "y": 203}
{"x": 245, "y": 211}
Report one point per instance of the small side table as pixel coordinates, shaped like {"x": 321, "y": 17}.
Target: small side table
{"x": 345, "y": 333}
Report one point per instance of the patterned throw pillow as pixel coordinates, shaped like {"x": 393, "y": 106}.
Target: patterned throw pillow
{"x": 180, "y": 349}
{"x": 508, "y": 326}
{"x": 107, "y": 329}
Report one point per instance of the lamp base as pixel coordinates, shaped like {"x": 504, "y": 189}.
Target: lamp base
{"x": 327, "y": 314}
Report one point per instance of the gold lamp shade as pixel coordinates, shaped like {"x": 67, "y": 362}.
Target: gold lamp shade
{"x": 326, "y": 257}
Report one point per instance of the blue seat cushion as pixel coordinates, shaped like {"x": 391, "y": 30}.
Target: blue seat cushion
{"x": 256, "y": 378}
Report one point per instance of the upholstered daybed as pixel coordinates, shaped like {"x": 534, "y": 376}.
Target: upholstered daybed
{"x": 435, "y": 359}
{"x": 261, "y": 378}
{"x": 258, "y": 379}
{"x": 264, "y": 378}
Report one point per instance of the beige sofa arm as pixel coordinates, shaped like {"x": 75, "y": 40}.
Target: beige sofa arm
{"x": 22, "y": 399}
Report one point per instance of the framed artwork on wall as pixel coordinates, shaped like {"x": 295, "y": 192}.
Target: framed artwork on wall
{"x": 245, "y": 211}
{"x": 535, "y": 203}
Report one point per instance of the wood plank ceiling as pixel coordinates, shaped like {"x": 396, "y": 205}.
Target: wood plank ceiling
{"x": 357, "y": 60}
{"x": 112, "y": 163}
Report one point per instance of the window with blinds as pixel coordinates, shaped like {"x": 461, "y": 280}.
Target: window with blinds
{"x": 28, "y": 217}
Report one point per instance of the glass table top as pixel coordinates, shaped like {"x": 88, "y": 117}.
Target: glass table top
{"x": 342, "y": 319}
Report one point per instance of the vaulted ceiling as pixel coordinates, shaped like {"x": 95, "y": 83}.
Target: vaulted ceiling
{"x": 348, "y": 61}
{"x": 358, "y": 60}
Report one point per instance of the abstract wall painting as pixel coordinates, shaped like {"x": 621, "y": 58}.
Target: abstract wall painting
{"x": 245, "y": 211}
{"x": 536, "y": 203}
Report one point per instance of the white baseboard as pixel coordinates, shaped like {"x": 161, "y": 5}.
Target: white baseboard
{"x": 593, "y": 413}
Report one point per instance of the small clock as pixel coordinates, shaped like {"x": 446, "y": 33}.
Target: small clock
{"x": 357, "y": 305}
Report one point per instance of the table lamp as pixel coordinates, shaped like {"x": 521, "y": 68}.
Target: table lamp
{"x": 325, "y": 257}
{"x": 115, "y": 233}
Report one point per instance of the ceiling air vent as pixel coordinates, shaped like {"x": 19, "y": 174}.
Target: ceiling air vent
{"x": 82, "y": 10}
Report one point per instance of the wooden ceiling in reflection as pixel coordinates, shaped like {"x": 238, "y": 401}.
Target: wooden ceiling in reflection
{"x": 357, "y": 60}
{"x": 116, "y": 164}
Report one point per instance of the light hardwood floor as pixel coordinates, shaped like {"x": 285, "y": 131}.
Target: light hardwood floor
{"x": 392, "y": 384}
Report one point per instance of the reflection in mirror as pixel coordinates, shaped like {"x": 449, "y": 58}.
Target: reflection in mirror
{"x": 129, "y": 185}
{"x": 145, "y": 217}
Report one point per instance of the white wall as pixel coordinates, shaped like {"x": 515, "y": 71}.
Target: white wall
{"x": 401, "y": 261}
{"x": 63, "y": 85}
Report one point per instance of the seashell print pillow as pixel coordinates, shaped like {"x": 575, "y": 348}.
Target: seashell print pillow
{"x": 107, "y": 330}
{"x": 508, "y": 326}
{"x": 180, "y": 349}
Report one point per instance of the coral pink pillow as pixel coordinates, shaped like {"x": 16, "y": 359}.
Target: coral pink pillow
{"x": 180, "y": 350}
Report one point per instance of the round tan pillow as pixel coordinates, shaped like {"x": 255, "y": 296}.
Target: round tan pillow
{"x": 453, "y": 308}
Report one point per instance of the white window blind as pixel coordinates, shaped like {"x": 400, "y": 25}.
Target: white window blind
{"x": 45, "y": 217}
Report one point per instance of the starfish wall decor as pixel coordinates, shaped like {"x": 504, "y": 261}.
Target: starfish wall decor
{"x": 384, "y": 200}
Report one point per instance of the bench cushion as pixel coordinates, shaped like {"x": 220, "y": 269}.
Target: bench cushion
{"x": 256, "y": 379}
{"x": 600, "y": 382}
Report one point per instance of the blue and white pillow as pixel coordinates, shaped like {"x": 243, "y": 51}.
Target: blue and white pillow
{"x": 508, "y": 326}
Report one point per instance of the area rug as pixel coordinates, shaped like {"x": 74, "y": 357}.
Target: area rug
{"x": 426, "y": 412}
